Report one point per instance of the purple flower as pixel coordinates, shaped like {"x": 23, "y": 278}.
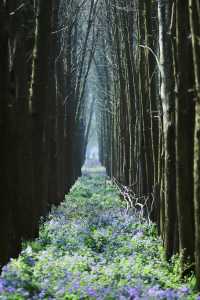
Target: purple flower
{"x": 42, "y": 294}
{"x": 153, "y": 291}
{"x": 170, "y": 294}
{"x": 133, "y": 292}
{"x": 139, "y": 234}
{"x": 91, "y": 292}
{"x": 76, "y": 285}
{"x": 162, "y": 294}
{"x": 2, "y": 282}
{"x": 5, "y": 269}
{"x": 30, "y": 261}
{"x": 10, "y": 290}
{"x": 184, "y": 290}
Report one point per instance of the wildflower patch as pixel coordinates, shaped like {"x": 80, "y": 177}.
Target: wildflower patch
{"x": 91, "y": 248}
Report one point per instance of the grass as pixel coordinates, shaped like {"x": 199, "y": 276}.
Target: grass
{"x": 91, "y": 248}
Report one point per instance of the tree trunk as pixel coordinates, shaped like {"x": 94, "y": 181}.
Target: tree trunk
{"x": 194, "y": 12}
{"x": 39, "y": 102}
{"x": 184, "y": 132}
{"x": 168, "y": 106}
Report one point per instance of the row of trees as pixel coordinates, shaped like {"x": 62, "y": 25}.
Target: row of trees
{"x": 148, "y": 112}
{"x": 46, "y": 49}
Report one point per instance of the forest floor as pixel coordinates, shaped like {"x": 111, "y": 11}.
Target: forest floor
{"x": 91, "y": 248}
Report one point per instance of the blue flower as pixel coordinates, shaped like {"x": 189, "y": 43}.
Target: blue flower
{"x": 10, "y": 290}
{"x": 91, "y": 292}
{"x": 133, "y": 292}
{"x": 76, "y": 285}
{"x": 184, "y": 290}
{"x": 2, "y": 285}
{"x": 42, "y": 294}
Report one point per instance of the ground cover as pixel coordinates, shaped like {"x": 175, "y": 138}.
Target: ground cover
{"x": 91, "y": 248}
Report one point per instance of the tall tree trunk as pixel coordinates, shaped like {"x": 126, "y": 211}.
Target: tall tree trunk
{"x": 5, "y": 205}
{"x": 168, "y": 106}
{"x": 194, "y": 12}
{"x": 39, "y": 102}
{"x": 184, "y": 132}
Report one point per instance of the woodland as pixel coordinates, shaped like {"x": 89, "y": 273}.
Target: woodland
{"x": 128, "y": 73}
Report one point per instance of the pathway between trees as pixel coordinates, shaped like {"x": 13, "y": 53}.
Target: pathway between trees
{"x": 90, "y": 248}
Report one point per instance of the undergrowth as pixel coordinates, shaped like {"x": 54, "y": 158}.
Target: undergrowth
{"x": 91, "y": 248}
